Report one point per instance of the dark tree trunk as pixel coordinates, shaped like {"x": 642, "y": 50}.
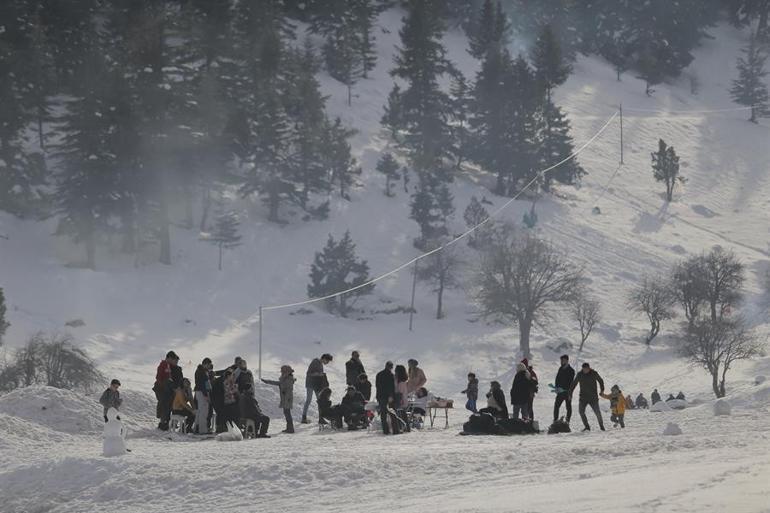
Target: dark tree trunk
{"x": 206, "y": 208}
{"x": 220, "y": 256}
{"x": 525, "y": 327}
{"x": 439, "y": 307}
{"x": 91, "y": 251}
{"x": 165, "y": 231}
{"x": 188, "y": 207}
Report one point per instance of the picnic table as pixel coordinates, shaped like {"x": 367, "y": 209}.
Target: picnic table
{"x": 435, "y": 406}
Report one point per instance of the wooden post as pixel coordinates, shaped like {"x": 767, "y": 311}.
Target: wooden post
{"x": 621, "y": 134}
{"x": 261, "y": 319}
{"x": 414, "y": 287}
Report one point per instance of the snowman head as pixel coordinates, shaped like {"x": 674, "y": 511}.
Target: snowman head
{"x": 112, "y": 415}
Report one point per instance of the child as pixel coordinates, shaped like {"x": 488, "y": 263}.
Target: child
{"x": 421, "y": 400}
{"x": 618, "y": 405}
{"x": 111, "y": 398}
{"x": 285, "y": 386}
{"x": 471, "y": 392}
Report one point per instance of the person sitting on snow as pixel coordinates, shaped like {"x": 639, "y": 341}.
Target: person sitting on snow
{"x": 496, "y": 401}
{"x": 326, "y": 412}
{"x": 617, "y": 405}
{"x": 249, "y": 408}
{"x": 655, "y": 396}
{"x": 111, "y": 398}
{"x": 680, "y": 395}
{"x": 641, "y": 402}
{"x": 670, "y": 398}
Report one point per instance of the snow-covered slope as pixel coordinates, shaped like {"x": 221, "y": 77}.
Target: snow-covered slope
{"x": 133, "y": 315}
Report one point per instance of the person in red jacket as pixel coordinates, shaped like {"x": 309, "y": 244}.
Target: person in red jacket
{"x": 163, "y": 390}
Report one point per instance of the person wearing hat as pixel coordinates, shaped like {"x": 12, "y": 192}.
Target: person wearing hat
{"x": 353, "y": 369}
{"x": 564, "y": 378}
{"x": 364, "y": 386}
{"x": 588, "y": 379}
{"x": 520, "y": 392}
{"x": 617, "y": 406}
{"x": 111, "y": 398}
{"x": 166, "y": 375}
{"x": 416, "y": 377}
{"x": 285, "y": 384}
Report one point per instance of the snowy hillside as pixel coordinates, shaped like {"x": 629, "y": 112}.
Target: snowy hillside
{"x": 136, "y": 311}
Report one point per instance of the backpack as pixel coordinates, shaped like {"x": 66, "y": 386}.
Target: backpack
{"x": 516, "y": 427}
{"x": 559, "y": 427}
{"x": 481, "y": 424}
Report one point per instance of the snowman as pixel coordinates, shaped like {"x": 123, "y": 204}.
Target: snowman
{"x": 114, "y": 435}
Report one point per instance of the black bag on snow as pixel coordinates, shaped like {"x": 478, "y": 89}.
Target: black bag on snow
{"x": 559, "y": 427}
{"x": 516, "y": 427}
{"x": 481, "y": 424}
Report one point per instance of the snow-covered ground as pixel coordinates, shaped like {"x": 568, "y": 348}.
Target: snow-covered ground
{"x": 133, "y": 315}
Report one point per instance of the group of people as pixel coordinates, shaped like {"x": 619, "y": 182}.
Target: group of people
{"x": 227, "y": 396}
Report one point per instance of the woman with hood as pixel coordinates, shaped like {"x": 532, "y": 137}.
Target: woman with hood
{"x": 285, "y": 384}
{"x": 617, "y": 406}
{"x": 521, "y": 391}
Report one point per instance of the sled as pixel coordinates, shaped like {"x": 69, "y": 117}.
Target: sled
{"x": 556, "y": 390}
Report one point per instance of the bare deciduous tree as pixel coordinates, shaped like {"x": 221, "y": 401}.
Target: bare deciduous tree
{"x": 53, "y": 361}
{"x": 439, "y": 269}
{"x": 717, "y": 345}
{"x": 520, "y": 277}
{"x": 656, "y": 300}
{"x": 725, "y": 277}
{"x": 689, "y": 283}
{"x": 586, "y": 311}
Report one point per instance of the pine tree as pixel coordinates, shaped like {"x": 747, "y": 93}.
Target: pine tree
{"x": 337, "y": 157}
{"x": 393, "y": 118}
{"x": 665, "y": 167}
{"x": 431, "y": 208}
{"x": 342, "y": 59}
{"x": 555, "y": 146}
{"x": 551, "y": 69}
{"x": 336, "y": 268}
{"x": 225, "y": 234}
{"x": 440, "y": 270}
{"x": 460, "y": 103}
{"x": 4, "y": 325}
{"x": 491, "y": 30}
{"x": 365, "y": 14}
{"x": 650, "y": 67}
{"x": 474, "y": 215}
{"x": 421, "y": 62}
{"x": 749, "y": 89}
{"x": 388, "y": 166}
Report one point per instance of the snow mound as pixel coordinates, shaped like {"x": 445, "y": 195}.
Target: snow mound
{"x": 660, "y": 406}
{"x": 54, "y": 408}
{"x": 760, "y": 379}
{"x": 233, "y": 434}
{"x": 677, "y": 404}
{"x": 722, "y": 407}
{"x": 672, "y": 429}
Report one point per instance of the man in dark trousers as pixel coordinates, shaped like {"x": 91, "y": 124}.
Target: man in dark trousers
{"x": 588, "y": 379}
{"x": 386, "y": 391}
{"x": 167, "y": 378}
{"x": 564, "y": 378}
{"x": 315, "y": 381}
{"x": 353, "y": 369}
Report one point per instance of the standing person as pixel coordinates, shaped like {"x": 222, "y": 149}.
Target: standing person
{"x": 364, "y": 386}
{"x": 231, "y": 413}
{"x": 249, "y": 409}
{"x": 163, "y": 389}
{"x": 315, "y": 381}
{"x": 520, "y": 392}
{"x": 402, "y": 393}
{"x": 617, "y": 406}
{"x": 588, "y": 378}
{"x": 655, "y": 396}
{"x": 533, "y": 388}
{"x": 353, "y": 369}
{"x": 203, "y": 396}
{"x": 285, "y": 386}
{"x": 564, "y": 378}
{"x": 417, "y": 377}
{"x": 111, "y": 398}
{"x": 471, "y": 392}
{"x": 386, "y": 393}
{"x": 496, "y": 401}
{"x": 243, "y": 376}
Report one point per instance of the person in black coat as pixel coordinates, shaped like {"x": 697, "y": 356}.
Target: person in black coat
{"x": 588, "y": 379}
{"x": 352, "y": 408}
{"x": 564, "y": 378}
{"x": 520, "y": 392}
{"x": 364, "y": 386}
{"x": 353, "y": 369}
{"x": 250, "y": 410}
{"x": 496, "y": 404}
{"x": 386, "y": 392}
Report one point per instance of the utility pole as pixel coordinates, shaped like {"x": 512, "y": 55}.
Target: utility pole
{"x": 621, "y": 134}
{"x": 261, "y": 321}
{"x": 414, "y": 287}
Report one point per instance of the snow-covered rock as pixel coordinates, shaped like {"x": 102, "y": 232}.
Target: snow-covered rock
{"x": 55, "y": 408}
{"x": 677, "y": 404}
{"x": 660, "y": 406}
{"x": 722, "y": 407}
{"x": 760, "y": 379}
{"x": 672, "y": 429}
